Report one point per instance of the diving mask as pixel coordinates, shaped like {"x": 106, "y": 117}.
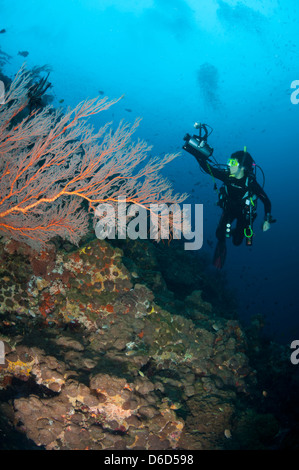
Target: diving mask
{"x": 232, "y": 162}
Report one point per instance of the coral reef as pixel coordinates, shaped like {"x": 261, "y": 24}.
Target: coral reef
{"x": 96, "y": 360}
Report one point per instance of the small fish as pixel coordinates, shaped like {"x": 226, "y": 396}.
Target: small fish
{"x": 23, "y": 53}
{"x": 128, "y": 110}
{"x": 101, "y": 92}
{"x": 3, "y": 31}
{"x": 175, "y": 406}
{"x": 61, "y": 101}
{"x": 130, "y": 353}
{"x": 151, "y": 311}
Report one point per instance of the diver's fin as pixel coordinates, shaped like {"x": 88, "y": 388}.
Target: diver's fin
{"x": 219, "y": 255}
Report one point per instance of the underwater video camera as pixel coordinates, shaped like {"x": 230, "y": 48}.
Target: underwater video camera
{"x": 197, "y": 145}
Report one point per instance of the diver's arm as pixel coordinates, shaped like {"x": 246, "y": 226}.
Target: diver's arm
{"x": 211, "y": 169}
{"x": 258, "y": 190}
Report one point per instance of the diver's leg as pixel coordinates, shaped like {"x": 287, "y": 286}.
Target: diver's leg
{"x": 238, "y": 232}
{"x": 220, "y": 250}
{"x": 220, "y": 231}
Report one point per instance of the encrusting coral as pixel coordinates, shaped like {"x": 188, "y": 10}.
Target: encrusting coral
{"x": 109, "y": 364}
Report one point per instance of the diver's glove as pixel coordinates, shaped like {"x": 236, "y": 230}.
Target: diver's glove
{"x": 268, "y": 221}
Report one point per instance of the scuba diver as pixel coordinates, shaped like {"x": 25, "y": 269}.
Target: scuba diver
{"x": 238, "y": 194}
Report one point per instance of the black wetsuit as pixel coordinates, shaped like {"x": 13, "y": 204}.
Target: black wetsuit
{"x": 233, "y": 196}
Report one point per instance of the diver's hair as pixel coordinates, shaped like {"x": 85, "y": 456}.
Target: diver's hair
{"x": 244, "y": 159}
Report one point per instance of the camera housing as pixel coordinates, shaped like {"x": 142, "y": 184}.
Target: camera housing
{"x": 197, "y": 146}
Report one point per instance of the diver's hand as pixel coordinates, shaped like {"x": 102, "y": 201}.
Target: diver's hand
{"x": 268, "y": 221}
{"x": 266, "y": 226}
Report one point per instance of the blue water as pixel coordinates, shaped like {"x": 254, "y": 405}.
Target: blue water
{"x": 227, "y": 63}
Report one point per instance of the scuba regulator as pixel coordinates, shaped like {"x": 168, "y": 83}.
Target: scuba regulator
{"x": 197, "y": 145}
